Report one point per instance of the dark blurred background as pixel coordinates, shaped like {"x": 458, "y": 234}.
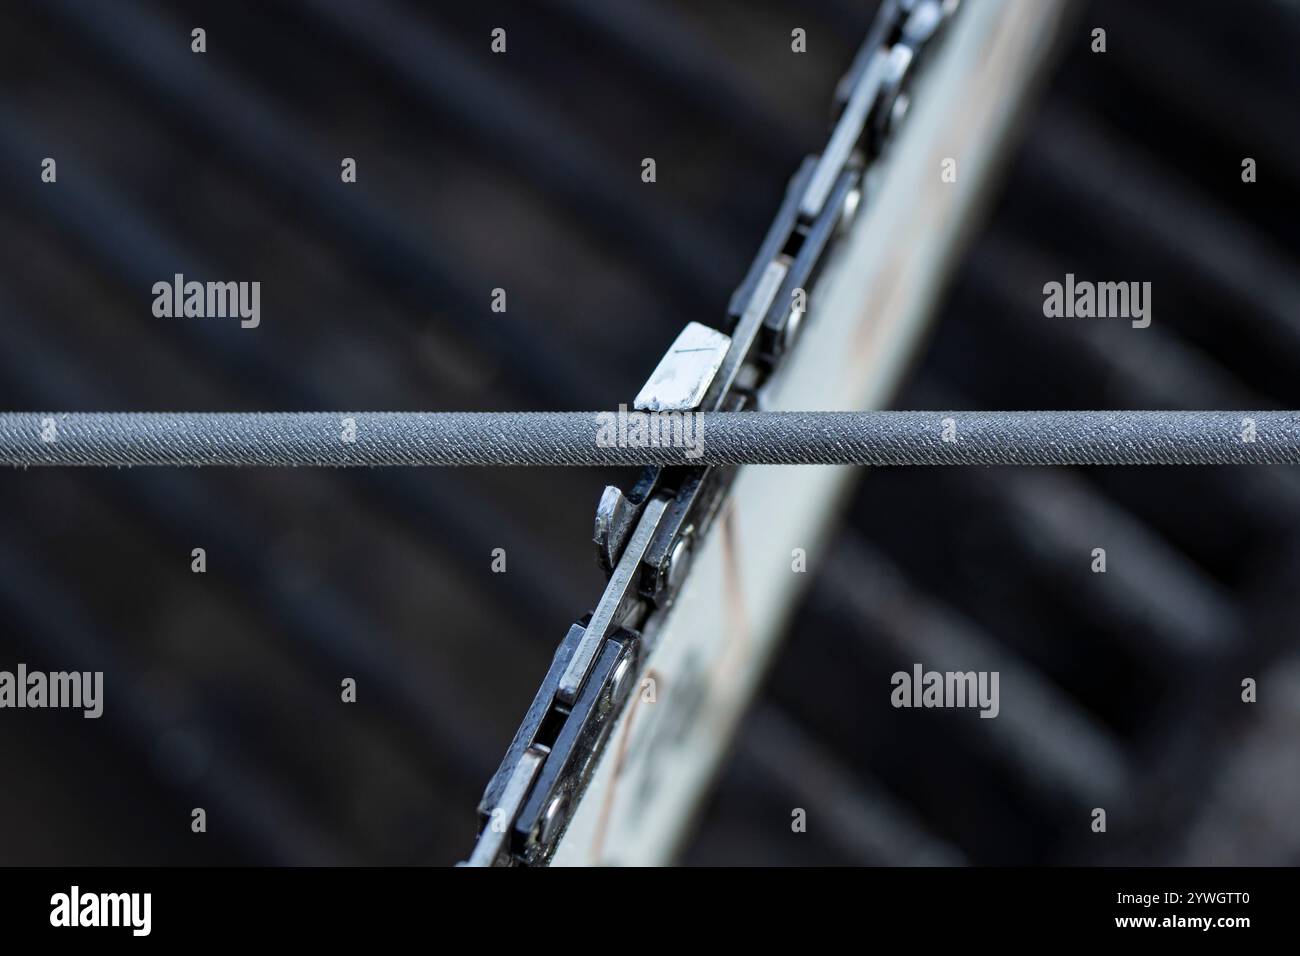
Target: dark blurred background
{"x": 522, "y": 172}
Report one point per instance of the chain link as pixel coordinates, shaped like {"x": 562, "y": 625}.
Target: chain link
{"x": 644, "y": 536}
